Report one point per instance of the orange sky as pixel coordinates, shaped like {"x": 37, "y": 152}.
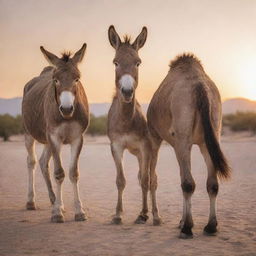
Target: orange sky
{"x": 221, "y": 33}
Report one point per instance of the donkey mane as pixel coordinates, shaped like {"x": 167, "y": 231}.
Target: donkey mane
{"x": 66, "y": 56}
{"x": 185, "y": 58}
{"x": 127, "y": 39}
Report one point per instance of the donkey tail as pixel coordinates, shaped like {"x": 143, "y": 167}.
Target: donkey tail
{"x": 218, "y": 159}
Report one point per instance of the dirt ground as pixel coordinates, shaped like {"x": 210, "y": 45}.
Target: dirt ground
{"x": 25, "y": 232}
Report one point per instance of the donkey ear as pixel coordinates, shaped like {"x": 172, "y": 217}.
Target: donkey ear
{"x": 113, "y": 37}
{"x": 141, "y": 39}
{"x": 79, "y": 55}
{"x": 50, "y": 57}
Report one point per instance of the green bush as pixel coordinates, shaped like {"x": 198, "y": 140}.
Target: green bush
{"x": 241, "y": 121}
{"x": 10, "y": 125}
{"x": 98, "y": 125}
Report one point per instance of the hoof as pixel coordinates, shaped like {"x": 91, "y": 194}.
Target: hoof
{"x": 57, "y": 218}
{"x": 116, "y": 220}
{"x": 185, "y": 236}
{"x": 210, "y": 230}
{"x": 142, "y": 219}
{"x": 157, "y": 222}
{"x": 31, "y": 206}
{"x": 186, "y": 233}
{"x": 80, "y": 217}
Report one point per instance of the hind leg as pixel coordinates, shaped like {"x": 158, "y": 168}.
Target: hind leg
{"x": 156, "y": 142}
{"x": 212, "y": 189}
{"x": 183, "y": 152}
{"x": 143, "y": 159}
{"x": 44, "y": 165}
{"x": 31, "y": 162}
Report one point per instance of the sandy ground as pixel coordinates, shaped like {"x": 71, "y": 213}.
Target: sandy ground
{"x": 31, "y": 232}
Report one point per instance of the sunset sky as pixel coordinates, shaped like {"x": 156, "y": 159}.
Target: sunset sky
{"x": 221, "y": 33}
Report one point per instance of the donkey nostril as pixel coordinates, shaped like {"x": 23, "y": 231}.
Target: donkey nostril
{"x": 127, "y": 92}
{"x": 66, "y": 110}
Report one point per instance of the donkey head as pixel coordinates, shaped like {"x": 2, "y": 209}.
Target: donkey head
{"x": 65, "y": 79}
{"x": 127, "y": 62}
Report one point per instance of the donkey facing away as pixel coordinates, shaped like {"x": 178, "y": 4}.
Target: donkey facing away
{"x": 127, "y": 127}
{"x": 186, "y": 110}
{"x": 55, "y": 112}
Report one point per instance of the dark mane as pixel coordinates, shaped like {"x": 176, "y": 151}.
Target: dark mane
{"x": 185, "y": 58}
{"x": 127, "y": 39}
{"x": 66, "y": 56}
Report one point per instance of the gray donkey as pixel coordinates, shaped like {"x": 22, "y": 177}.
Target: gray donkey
{"x": 55, "y": 112}
{"x": 186, "y": 110}
{"x": 127, "y": 127}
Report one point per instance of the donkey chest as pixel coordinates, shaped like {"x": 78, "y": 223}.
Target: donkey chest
{"x": 131, "y": 142}
{"x": 66, "y": 132}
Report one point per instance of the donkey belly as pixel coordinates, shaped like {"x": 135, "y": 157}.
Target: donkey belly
{"x": 33, "y": 120}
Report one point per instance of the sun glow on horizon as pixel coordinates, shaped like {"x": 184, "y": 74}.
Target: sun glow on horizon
{"x": 246, "y": 75}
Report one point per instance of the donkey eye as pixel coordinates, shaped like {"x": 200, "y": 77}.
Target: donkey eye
{"x": 116, "y": 64}
{"x": 77, "y": 80}
{"x": 137, "y": 64}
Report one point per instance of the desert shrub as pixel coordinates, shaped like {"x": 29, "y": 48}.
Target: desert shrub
{"x": 98, "y": 125}
{"x": 10, "y": 125}
{"x": 241, "y": 121}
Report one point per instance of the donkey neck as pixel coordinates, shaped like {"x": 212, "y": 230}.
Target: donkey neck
{"x": 126, "y": 110}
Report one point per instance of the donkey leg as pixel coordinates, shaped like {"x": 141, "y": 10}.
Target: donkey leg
{"x": 212, "y": 189}
{"x": 31, "y": 162}
{"x": 59, "y": 175}
{"x": 143, "y": 158}
{"x": 183, "y": 152}
{"x": 156, "y": 142}
{"x": 76, "y": 147}
{"x": 44, "y": 165}
{"x": 117, "y": 152}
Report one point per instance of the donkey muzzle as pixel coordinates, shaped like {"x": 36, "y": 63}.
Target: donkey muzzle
{"x": 66, "y": 111}
{"x": 127, "y": 94}
{"x": 66, "y": 106}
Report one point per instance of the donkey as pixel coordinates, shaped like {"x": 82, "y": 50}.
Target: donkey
{"x": 186, "y": 110}
{"x": 55, "y": 112}
{"x": 127, "y": 127}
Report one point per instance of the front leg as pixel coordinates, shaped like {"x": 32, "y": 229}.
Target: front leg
{"x": 143, "y": 159}
{"x": 76, "y": 147}
{"x": 58, "y": 207}
{"x": 117, "y": 152}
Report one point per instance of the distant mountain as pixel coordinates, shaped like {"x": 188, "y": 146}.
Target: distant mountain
{"x": 238, "y": 104}
{"x": 13, "y": 106}
{"x": 10, "y": 106}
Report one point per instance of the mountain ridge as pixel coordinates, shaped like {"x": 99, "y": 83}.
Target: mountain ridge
{"x": 12, "y": 106}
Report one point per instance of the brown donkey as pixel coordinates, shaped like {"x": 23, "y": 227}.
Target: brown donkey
{"x": 127, "y": 127}
{"x": 55, "y": 112}
{"x": 186, "y": 110}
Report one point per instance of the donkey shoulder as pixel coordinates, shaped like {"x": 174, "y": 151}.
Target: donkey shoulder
{"x": 29, "y": 85}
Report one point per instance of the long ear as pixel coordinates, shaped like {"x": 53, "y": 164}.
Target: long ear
{"x": 50, "y": 57}
{"x": 141, "y": 39}
{"x": 113, "y": 37}
{"x": 79, "y": 55}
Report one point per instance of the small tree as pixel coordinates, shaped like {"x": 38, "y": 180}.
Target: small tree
{"x": 98, "y": 125}
{"x": 241, "y": 121}
{"x": 9, "y": 126}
